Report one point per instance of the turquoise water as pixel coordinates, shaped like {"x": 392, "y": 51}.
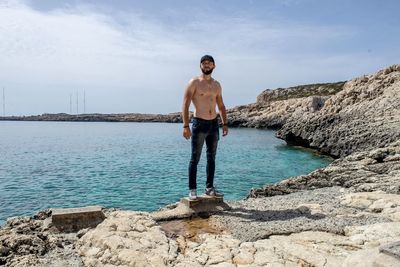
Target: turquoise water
{"x": 137, "y": 166}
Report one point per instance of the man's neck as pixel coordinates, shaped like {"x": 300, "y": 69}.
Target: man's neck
{"x": 206, "y": 77}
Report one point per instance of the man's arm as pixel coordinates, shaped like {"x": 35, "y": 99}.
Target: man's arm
{"x": 187, "y": 99}
{"x": 222, "y": 111}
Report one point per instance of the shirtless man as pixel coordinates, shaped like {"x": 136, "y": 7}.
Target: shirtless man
{"x": 206, "y": 94}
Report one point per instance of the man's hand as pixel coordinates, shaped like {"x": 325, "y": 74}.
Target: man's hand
{"x": 225, "y": 130}
{"x": 187, "y": 133}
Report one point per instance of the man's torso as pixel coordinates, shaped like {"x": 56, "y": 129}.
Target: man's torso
{"x": 205, "y": 98}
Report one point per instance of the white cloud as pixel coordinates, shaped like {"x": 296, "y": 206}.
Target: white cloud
{"x": 142, "y": 64}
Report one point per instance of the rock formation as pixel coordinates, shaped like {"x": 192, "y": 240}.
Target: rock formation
{"x": 300, "y": 91}
{"x": 371, "y": 170}
{"x": 274, "y": 107}
{"x": 361, "y": 126}
{"x": 361, "y": 114}
{"x": 303, "y": 229}
{"x": 364, "y": 115}
{"x": 30, "y": 241}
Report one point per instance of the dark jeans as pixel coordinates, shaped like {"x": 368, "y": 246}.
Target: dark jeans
{"x": 203, "y": 130}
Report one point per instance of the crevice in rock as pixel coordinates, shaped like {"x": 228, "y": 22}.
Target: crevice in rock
{"x": 296, "y": 140}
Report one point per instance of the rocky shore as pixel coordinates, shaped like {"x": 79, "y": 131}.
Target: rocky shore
{"x": 347, "y": 214}
{"x": 363, "y": 116}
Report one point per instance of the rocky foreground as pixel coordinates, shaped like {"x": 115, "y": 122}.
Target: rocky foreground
{"x": 347, "y": 214}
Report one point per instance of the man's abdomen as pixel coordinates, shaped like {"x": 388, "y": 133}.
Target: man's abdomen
{"x": 206, "y": 112}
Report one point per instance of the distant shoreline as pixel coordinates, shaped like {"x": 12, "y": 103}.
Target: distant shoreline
{"x": 97, "y": 117}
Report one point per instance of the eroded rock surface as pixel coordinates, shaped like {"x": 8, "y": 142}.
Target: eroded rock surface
{"x": 377, "y": 169}
{"x": 29, "y": 241}
{"x": 274, "y": 107}
{"x": 127, "y": 239}
{"x": 365, "y": 115}
{"x": 337, "y": 119}
{"x": 340, "y": 234}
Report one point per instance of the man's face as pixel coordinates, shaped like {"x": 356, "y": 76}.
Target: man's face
{"x": 207, "y": 67}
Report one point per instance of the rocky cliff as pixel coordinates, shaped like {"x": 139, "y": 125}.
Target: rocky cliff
{"x": 274, "y": 107}
{"x": 300, "y": 91}
{"x": 361, "y": 114}
{"x": 359, "y": 125}
{"x": 364, "y": 115}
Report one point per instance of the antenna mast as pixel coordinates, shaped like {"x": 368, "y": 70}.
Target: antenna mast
{"x": 4, "y": 103}
{"x": 84, "y": 101}
{"x": 77, "y": 107}
{"x": 70, "y": 103}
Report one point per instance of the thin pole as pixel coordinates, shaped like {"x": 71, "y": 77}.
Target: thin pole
{"x": 77, "y": 106}
{"x": 84, "y": 102}
{"x": 70, "y": 103}
{"x": 4, "y": 103}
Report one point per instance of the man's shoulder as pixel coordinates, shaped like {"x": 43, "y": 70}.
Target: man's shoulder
{"x": 195, "y": 79}
{"x": 218, "y": 85}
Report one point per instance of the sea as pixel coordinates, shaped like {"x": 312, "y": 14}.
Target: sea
{"x": 129, "y": 165}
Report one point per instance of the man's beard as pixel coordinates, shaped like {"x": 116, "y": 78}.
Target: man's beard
{"x": 207, "y": 72}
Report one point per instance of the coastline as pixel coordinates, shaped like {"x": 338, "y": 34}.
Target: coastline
{"x": 341, "y": 215}
{"x": 97, "y": 117}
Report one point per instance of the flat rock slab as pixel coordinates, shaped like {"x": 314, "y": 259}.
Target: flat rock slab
{"x": 75, "y": 219}
{"x": 205, "y": 204}
{"x": 187, "y": 208}
{"x": 202, "y": 201}
{"x": 392, "y": 249}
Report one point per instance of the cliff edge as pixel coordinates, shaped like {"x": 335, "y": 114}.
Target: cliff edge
{"x": 363, "y": 116}
{"x": 274, "y": 107}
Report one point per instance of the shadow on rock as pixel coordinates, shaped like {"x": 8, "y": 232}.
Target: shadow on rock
{"x": 274, "y": 215}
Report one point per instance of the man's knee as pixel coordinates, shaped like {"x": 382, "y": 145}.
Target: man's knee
{"x": 194, "y": 160}
{"x": 211, "y": 155}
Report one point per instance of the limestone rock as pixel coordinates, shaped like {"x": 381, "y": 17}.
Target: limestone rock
{"x": 273, "y": 114}
{"x": 127, "y": 239}
{"x": 370, "y": 257}
{"x": 363, "y": 116}
{"x": 274, "y": 107}
{"x": 388, "y": 205}
{"x": 301, "y": 91}
{"x": 27, "y": 241}
{"x": 337, "y": 119}
{"x": 365, "y": 171}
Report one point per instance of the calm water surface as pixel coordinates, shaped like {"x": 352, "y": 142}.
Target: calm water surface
{"x": 137, "y": 166}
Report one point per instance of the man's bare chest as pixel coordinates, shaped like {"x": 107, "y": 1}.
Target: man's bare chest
{"x": 206, "y": 90}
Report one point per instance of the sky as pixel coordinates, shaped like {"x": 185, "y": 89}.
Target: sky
{"x": 138, "y": 56}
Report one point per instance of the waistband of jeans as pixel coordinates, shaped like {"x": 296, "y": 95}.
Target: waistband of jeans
{"x": 206, "y": 121}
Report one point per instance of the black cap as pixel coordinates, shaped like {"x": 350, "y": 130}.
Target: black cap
{"x": 207, "y": 57}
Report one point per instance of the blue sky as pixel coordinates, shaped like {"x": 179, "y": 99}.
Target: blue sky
{"x": 137, "y": 56}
